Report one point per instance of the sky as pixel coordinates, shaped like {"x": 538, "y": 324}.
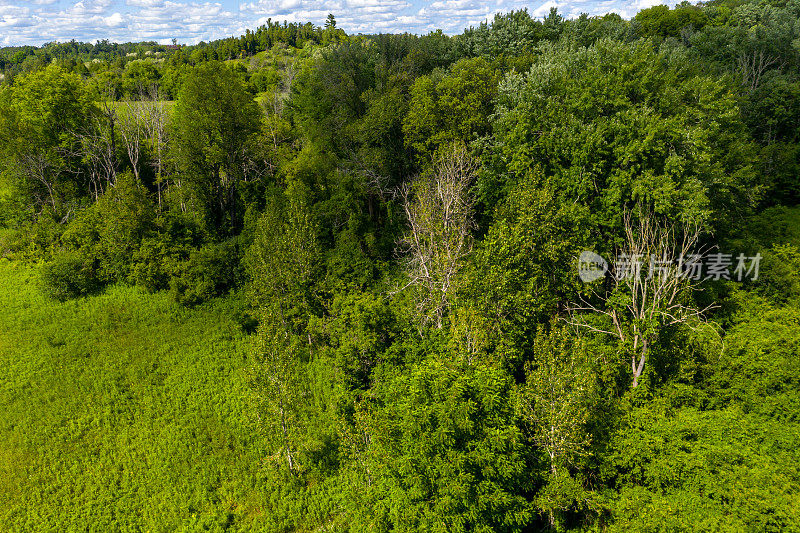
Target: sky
{"x": 190, "y": 21}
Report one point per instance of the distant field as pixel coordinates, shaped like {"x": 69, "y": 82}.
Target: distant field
{"x": 122, "y": 412}
{"x": 122, "y": 105}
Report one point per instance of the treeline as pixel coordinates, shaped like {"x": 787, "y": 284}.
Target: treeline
{"x": 401, "y": 218}
{"x": 123, "y": 71}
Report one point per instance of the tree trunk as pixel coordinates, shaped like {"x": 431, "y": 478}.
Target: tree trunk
{"x": 638, "y": 369}
{"x": 286, "y": 444}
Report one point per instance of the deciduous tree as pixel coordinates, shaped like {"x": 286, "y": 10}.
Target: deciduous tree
{"x": 438, "y": 206}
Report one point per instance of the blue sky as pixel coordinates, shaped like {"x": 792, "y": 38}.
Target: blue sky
{"x": 39, "y": 21}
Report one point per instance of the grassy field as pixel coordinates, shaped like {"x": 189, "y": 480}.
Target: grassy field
{"x": 122, "y": 106}
{"x": 122, "y": 412}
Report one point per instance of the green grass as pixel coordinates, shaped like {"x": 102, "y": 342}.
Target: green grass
{"x": 122, "y": 412}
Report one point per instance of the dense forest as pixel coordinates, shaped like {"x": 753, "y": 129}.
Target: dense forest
{"x": 301, "y": 280}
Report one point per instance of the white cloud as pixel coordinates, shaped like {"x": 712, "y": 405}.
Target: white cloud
{"x": 114, "y": 20}
{"x": 89, "y": 7}
{"x": 145, "y": 3}
{"x": 190, "y": 21}
{"x": 544, "y": 9}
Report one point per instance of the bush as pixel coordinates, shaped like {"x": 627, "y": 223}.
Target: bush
{"x": 210, "y": 271}
{"x": 161, "y": 255}
{"x": 12, "y": 242}
{"x": 779, "y": 278}
{"x": 153, "y": 264}
{"x": 32, "y": 240}
{"x": 112, "y": 229}
{"x": 69, "y": 275}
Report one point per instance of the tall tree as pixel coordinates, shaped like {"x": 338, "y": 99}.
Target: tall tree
{"x": 282, "y": 260}
{"x": 279, "y": 381}
{"x": 451, "y": 106}
{"x": 214, "y": 121}
{"x": 556, "y": 406}
{"x": 43, "y": 117}
{"x": 617, "y": 124}
{"x": 439, "y": 209}
{"x": 651, "y": 288}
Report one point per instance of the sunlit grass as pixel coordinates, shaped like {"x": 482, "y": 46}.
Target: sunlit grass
{"x": 121, "y": 411}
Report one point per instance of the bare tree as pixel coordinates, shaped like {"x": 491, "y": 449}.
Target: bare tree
{"x": 132, "y": 132}
{"x": 156, "y": 129}
{"x": 289, "y": 73}
{"x": 439, "y": 210}
{"x": 98, "y": 147}
{"x": 36, "y": 167}
{"x": 752, "y": 66}
{"x": 650, "y": 286}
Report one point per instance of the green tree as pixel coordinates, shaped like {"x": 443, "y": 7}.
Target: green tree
{"x": 556, "y": 404}
{"x": 112, "y": 229}
{"x": 445, "y": 453}
{"x": 282, "y": 261}
{"x": 330, "y": 22}
{"x": 524, "y": 268}
{"x": 214, "y": 121}
{"x": 618, "y": 124}
{"x": 450, "y": 106}
{"x": 42, "y": 119}
{"x": 280, "y": 384}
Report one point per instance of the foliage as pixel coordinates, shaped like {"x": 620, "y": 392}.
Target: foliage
{"x": 452, "y": 106}
{"x": 617, "y": 124}
{"x": 69, "y": 275}
{"x": 299, "y": 280}
{"x": 281, "y": 262}
{"x": 129, "y": 409}
{"x": 43, "y": 115}
{"x": 213, "y": 120}
{"x": 112, "y": 229}
{"x": 556, "y": 402}
{"x": 213, "y": 270}
{"x": 443, "y": 454}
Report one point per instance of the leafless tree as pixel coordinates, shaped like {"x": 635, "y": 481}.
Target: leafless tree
{"x": 273, "y": 108}
{"x": 143, "y": 129}
{"x": 439, "y": 210}
{"x": 98, "y": 147}
{"x": 156, "y": 128}
{"x": 650, "y": 286}
{"x": 289, "y": 74}
{"x": 37, "y": 167}
{"x": 132, "y": 131}
{"x": 752, "y": 66}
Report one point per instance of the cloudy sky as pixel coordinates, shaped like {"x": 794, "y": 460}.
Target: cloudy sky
{"x": 39, "y": 21}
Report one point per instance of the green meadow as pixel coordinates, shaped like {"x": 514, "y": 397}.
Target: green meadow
{"x": 327, "y": 282}
{"x": 121, "y": 412}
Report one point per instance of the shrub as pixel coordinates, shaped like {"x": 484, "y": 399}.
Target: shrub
{"x": 12, "y": 241}
{"x": 35, "y": 240}
{"x": 210, "y": 271}
{"x": 69, "y": 275}
{"x": 153, "y": 264}
{"x": 113, "y": 228}
{"x": 779, "y": 278}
